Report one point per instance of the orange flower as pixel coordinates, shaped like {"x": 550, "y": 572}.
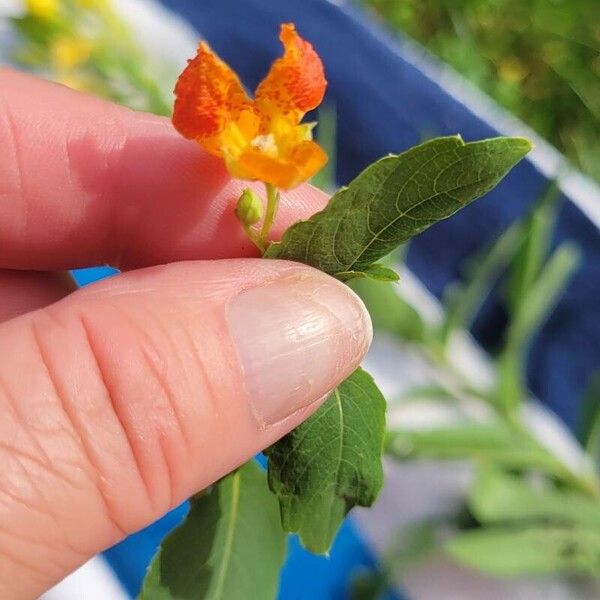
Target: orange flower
{"x": 260, "y": 139}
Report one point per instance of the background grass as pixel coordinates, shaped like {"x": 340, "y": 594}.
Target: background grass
{"x": 540, "y": 59}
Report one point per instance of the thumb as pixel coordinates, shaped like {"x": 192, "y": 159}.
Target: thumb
{"x": 125, "y": 398}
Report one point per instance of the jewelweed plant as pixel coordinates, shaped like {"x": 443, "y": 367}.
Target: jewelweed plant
{"x": 233, "y": 542}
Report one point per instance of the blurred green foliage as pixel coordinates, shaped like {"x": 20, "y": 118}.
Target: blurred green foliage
{"x": 86, "y": 45}
{"x": 529, "y": 512}
{"x": 539, "y": 59}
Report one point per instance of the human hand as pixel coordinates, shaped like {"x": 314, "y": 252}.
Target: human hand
{"x": 120, "y": 400}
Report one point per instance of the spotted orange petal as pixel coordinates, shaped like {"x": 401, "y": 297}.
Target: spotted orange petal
{"x": 208, "y": 96}
{"x": 296, "y": 82}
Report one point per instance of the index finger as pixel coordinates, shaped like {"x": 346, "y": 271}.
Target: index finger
{"x": 86, "y": 182}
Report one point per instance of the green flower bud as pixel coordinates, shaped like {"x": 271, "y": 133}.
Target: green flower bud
{"x": 249, "y": 208}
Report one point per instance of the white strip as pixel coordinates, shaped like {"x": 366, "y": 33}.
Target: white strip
{"x": 94, "y": 580}
{"x": 159, "y": 31}
{"x": 11, "y": 8}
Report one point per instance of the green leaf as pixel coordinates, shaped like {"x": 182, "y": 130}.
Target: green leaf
{"x": 331, "y": 462}
{"x": 389, "y": 312}
{"x": 542, "y": 297}
{"x": 396, "y": 198}
{"x": 376, "y": 272}
{"x": 427, "y": 392}
{"x": 544, "y": 294}
{"x": 500, "y": 496}
{"x": 511, "y": 391}
{"x": 589, "y": 423}
{"x": 464, "y": 300}
{"x": 494, "y": 443}
{"x": 533, "y": 249}
{"x": 509, "y": 552}
{"x": 230, "y": 546}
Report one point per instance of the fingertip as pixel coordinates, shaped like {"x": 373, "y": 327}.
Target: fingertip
{"x": 298, "y": 204}
{"x": 110, "y": 185}
{"x": 298, "y": 336}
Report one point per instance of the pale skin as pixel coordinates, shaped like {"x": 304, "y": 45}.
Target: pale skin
{"x": 120, "y": 400}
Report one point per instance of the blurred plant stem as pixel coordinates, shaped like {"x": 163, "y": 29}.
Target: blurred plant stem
{"x": 535, "y": 280}
{"x": 460, "y": 387}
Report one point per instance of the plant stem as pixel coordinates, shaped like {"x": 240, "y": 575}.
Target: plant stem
{"x": 510, "y": 389}
{"x": 272, "y": 205}
{"x": 255, "y": 238}
{"x": 458, "y": 385}
{"x": 588, "y": 484}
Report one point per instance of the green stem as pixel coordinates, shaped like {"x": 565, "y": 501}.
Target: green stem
{"x": 272, "y": 205}
{"x": 511, "y": 391}
{"x": 458, "y": 385}
{"x": 255, "y": 238}
{"x": 588, "y": 484}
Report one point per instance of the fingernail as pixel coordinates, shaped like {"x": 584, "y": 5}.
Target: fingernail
{"x": 297, "y": 338}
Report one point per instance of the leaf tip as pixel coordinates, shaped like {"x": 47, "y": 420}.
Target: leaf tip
{"x": 522, "y": 144}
